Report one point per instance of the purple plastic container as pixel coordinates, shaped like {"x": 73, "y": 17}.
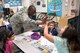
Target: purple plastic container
{"x": 35, "y": 36}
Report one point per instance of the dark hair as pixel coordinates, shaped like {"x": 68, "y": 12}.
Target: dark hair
{"x": 11, "y": 14}
{"x": 54, "y": 14}
{"x": 72, "y": 37}
{"x": 31, "y": 8}
{"x": 6, "y": 34}
{"x": 53, "y": 22}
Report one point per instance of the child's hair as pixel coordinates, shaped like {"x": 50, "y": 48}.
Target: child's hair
{"x": 53, "y": 22}
{"x": 6, "y": 34}
{"x": 12, "y": 13}
{"x": 72, "y": 37}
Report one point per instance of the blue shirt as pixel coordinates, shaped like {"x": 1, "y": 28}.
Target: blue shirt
{"x": 53, "y": 31}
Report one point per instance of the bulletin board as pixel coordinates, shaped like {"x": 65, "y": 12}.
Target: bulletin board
{"x": 55, "y": 6}
{"x": 13, "y": 2}
{"x": 41, "y": 5}
{"x": 63, "y": 22}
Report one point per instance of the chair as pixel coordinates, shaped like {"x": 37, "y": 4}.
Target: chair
{"x": 1, "y": 50}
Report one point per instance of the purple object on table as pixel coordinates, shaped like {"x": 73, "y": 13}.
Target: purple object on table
{"x": 35, "y": 36}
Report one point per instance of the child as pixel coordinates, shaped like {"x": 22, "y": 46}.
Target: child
{"x": 67, "y": 43}
{"x": 52, "y": 30}
{"x": 11, "y": 13}
{"x": 6, "y": 22}
{"x": 8, "y": 41}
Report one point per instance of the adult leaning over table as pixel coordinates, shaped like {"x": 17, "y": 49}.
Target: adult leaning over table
{"x": 24, "y": 20}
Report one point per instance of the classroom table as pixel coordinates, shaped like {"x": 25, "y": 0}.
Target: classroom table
{"x": 27, "y": 45}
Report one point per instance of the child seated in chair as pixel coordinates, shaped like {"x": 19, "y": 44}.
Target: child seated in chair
{"x": 8, "y": 45}
{"x": 52, "y": 30}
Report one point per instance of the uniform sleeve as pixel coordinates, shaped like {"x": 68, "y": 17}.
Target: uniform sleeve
{"x": 16, "y": 24}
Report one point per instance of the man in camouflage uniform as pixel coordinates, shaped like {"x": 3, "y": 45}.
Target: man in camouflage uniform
{"x": 23, "y": 21}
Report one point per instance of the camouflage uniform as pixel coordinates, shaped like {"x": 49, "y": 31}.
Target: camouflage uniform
{"x": 20, "y": 21}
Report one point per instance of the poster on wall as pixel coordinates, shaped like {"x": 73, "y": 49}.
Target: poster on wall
{"x": 13, "y": 2}
{"x": 39, "y": 4}
{"x": 55, "y": 6}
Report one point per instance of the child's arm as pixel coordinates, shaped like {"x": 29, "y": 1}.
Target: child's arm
{"x": 46, "y": 34}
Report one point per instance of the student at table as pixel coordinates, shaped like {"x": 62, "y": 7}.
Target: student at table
{"x": 8, "y": 38}
{"x": 52, "y": 30}
{"x": 7, "y": 23}
{"x": 11, "y": 13}
{"x": 67, "y": 43}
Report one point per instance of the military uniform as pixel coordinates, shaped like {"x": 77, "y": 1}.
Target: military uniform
{"x": 21, "y": 22}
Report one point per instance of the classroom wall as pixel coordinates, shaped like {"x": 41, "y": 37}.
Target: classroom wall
{"x": 62, "y": 22}
{"x": 39, "y": 8}
{"x": 26, "y": 3}
{"x": 67, "y": 9}
{"x": 66, "y": 6}
{"x": 15, "y": 8}
{"x": 77, "y": 6}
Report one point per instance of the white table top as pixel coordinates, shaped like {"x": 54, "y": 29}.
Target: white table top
{"x": 27, "y": 46}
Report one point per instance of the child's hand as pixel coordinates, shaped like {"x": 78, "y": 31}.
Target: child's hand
{"x": 44, "y": 20}
{"x": 45, "y": 24}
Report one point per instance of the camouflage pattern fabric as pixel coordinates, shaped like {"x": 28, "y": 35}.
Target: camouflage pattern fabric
{"x": 21, "y": 22}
